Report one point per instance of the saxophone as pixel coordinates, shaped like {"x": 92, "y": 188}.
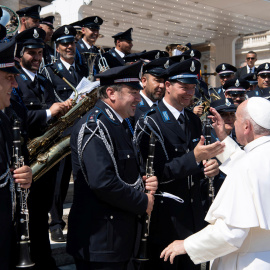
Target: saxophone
{"x": 47, "y": 150}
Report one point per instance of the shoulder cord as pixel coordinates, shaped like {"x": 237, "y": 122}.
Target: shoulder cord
{"x": 8, "y": 177}
{"x": 109, "y": 146}
{"x": 158, "y": 135}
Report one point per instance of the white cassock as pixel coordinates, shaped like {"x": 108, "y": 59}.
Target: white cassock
{"x": 238, "y": 236}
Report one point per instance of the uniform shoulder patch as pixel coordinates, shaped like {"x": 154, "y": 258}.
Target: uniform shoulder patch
{"x": 165, "y": 116}
{"x": 23, "y": 77}
{"x": 93, "y": 116}
{"x": 60, "y": 66}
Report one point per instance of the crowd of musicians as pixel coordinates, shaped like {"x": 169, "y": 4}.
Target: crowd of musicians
{"x": 150, "y": 93}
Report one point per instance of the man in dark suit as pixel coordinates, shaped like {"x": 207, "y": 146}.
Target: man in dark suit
{"x": 90, "y": 29}
{"x": 123, "y": 45}
{"x": 251, "y": 58}
{"x": 225, "y": 72}
{"x": 65, "y": 64}
{"x": 48, "y": 52}
{"x": 36, "y": 92}
{"x": 29, "y": 17}
{"x": 263, "y": 87}
{"x": 22, "y": 175}
{"x": 178, "y": 163}
{"x": 73, "y": 72}
{"x": 108, "y": 196}
{"x": 153, "y": 86}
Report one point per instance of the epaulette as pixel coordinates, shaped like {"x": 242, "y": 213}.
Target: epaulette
{"x": 93, "y": 116}
{"x": 150, "y": 112}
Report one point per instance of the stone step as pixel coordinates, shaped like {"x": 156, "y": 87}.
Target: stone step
{"x": 59, "y": 253}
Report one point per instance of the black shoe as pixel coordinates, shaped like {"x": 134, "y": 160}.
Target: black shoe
{"x": 57, "y": 235}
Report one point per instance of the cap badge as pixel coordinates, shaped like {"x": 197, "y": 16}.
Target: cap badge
{"x": 66, "y": 31}
{"x": 223, "y": 67}
{"x": 192, "y": 67}
{"x": 35, "y": 35}
{"x": 237, "y": 84}
{"x": 157, "y": 55}
{"x": 266, "y": 66}
{"x": 166, "y": 65}
{"x": 228, "y": 103}
{"x": 96, "y": 20}
{"x": 192, "y": 53}
{"x": 254, "y": 77}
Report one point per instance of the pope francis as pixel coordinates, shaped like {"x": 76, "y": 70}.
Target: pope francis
{"x": 238, "y": 234}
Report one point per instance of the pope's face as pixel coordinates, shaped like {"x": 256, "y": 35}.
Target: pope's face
{"x": 7, "y": 81}
{"x": 126, "y": 101}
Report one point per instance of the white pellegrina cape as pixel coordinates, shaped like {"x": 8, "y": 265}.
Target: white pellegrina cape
{"x": 238, "y": 236}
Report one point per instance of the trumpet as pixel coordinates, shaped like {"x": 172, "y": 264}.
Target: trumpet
{"x": 91, "y": 58}
{"x": 102, "y": 63}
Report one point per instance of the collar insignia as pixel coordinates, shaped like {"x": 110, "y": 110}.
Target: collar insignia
{"x": 66, "y": 31}
{"x": 166, "y": 65}
{"x": 237, "y": 84}
{"x": 192, "y": 68}
{"x": 141, "y": 103}
{"x": 109, "y": 114}
{"x": 223, "y": 67}
{"x": 166, "y": 116}
{"x": 266, "y": 66}
{"x": 60, "y": 67}
{"x": 192, "y": 53}
{"x": 228, "y": 103}
{"x": 96, "y": 20}
{"x": 35, "y": 35}
{"x": 157, "y": 55}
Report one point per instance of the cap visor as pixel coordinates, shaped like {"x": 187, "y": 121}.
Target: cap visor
{"x": 13, "y": 70}
{"x": 65, "y": 40}
{"x": 188, "y": 80}
{"x": 134, "y": 85}
{"x": 226, "y": 110}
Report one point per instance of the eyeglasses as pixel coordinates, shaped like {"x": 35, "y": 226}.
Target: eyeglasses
{"x": 237, "y": 95}
{"x": 264, "y": 76}
{"x": 225, "y": 76}
{"x": 250, "y": 58}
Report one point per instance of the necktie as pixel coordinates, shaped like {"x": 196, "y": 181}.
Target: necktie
{"x": 73, "y": 73}
{"x": 128, "y": 128}
{"x": 182, "y": 122}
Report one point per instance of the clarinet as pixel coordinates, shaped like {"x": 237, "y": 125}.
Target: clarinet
{"x": 24, "y": 258}
{"x": 207, "y": 129}
{"x": 142, "y": 252}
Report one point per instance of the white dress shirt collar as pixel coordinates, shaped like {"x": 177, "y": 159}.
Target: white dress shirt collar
{"x": 148, "y": 100}
{"x": 88, "y": 46}
{"x": 120, "y": 53}
{"x": 174, "y": 111}
{"x": 30, "y": 74}
{"x": 66, "y": 64}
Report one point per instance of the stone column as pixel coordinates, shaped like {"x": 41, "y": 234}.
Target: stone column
{"x": 224, "y": 51}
